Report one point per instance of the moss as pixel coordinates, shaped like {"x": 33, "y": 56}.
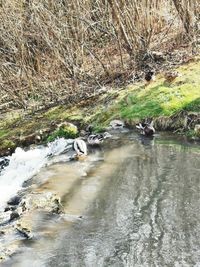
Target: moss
{"x": 190, "y": 133}
{"x": 5, "y": 144}
{"x": 66, "y": 131}
{"x": 3, "y": 133}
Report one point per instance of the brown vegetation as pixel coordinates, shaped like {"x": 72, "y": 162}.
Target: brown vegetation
{"x": 63, "y": 51}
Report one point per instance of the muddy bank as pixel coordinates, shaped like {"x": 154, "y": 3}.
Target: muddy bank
{"x": 184, "y": 123}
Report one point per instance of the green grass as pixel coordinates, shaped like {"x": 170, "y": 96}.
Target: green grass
{"x": 138, "y": 102}
{"x": 66, "y": 131}
{"x": 3, "y": 133}
{"x": 160, "y": 98}
{"x": 63, "y": 113}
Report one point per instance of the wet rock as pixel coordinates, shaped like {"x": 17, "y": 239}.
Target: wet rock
{"x": 8, "y": 251}
{"x": 24, "y": 220}
{"x": 197, "y": 130}
{"x": 10, "y": 208}
{"x": 58, "y": 208}
{"x": 2, "y": 232}
{"x": 14, "y": 215}
{"x": 14, "y": 201}
{"x": 3, "y": 163}
{"x": 27, "y": 183}
{"x": 24, "y": 232}
{"x": 47, "y": 201}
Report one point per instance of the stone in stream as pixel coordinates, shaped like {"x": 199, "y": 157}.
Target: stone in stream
{"x": 47, "y": 201}
{"x": 14, "y": 215}
{"x": 3, "y": 163}
{"x": 23, "y": 219}
{"x": 2, "y": 232}
{"x": 24, "y": 232}
{"x": 14, "y": 201}
{"x": 10, "y": 208}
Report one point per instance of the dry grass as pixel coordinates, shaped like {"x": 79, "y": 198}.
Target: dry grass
{"x": 61, "y": 51}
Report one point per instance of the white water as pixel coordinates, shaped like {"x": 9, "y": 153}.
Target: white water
{"x": 25, "y": 164}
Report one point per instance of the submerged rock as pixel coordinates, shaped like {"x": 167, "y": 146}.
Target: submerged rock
{"x": 24, "y": 232}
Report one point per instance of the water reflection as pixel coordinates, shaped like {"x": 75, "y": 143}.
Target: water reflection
{"x": 139, "y": 207}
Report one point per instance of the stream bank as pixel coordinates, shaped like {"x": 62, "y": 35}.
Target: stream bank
{"x": 173, "y": 106}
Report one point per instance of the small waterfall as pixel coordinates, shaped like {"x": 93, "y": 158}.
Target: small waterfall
{"x": 24, "y": 165}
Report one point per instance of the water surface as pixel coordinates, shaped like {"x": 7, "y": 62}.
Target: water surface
{"x": 135, "y": 202}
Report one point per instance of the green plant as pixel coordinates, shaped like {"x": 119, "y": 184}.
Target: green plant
{"x": 66, "y": 131}
{"x": 7, "y": 144}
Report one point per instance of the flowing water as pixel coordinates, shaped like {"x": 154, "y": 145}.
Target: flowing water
{"x": 134, "y": 202}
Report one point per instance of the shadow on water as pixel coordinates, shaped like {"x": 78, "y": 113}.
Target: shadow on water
{"x": 140, "y": 206}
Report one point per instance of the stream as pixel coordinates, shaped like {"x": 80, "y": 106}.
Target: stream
{"x": 134, "y": 201}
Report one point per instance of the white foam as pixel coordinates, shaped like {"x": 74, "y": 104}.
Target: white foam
{"x": 24, "y": 165}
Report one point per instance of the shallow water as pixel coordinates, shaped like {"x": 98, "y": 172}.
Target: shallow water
{"x": 135, "y": 202}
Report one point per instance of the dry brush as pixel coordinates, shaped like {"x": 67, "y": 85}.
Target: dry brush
{"x": 61, "y": 51}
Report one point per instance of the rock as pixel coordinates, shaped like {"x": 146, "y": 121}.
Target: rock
{"x": 10, "y": 208}
{"x": 14, "y": 201}
{"x": 7, "y": 251}
{"x": 14, "y": 215}
{"x": 47, "y": 201}
{"x": 24, "y": 232}
{"x": 3, "y": 163}
{"x": 197, "y": 130}
{"x": 117, "y": 124}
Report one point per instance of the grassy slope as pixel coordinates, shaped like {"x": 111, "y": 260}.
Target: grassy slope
{"x": 133, "y": 103}
{"x": 138, "y": 102}
{"x": 161, "y": 98}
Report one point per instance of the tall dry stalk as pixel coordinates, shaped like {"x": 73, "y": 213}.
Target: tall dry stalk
{"x": 51, "y": 51}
